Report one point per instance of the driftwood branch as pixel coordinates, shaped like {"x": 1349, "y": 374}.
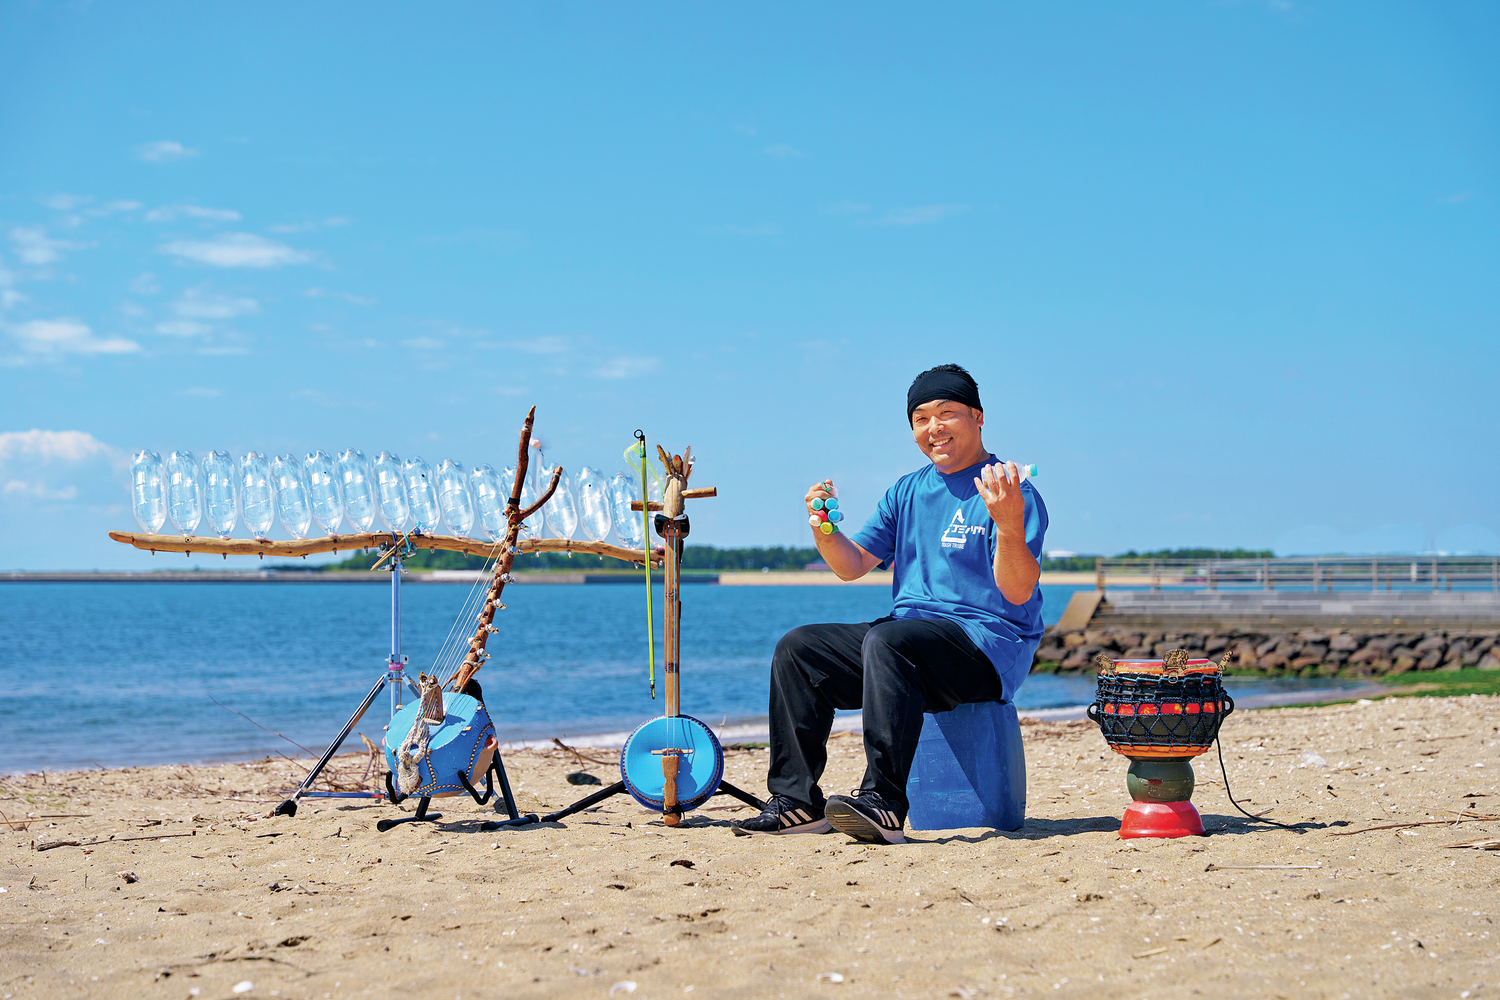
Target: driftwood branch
{"x": 546, "y": 495}
{"x": 477, "y": 654}
{"x": 372, "y": 540}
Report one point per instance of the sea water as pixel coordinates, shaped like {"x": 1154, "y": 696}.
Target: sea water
{"x": 115, "y": 674}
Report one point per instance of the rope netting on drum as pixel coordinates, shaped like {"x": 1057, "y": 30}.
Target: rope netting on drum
{"x": 1161, "y": 713}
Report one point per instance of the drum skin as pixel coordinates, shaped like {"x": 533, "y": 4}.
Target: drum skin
{"x": 698, "y": 774}
{"x": 455, "y": 745}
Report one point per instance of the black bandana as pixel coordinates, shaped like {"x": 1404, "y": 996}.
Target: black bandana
{"x": 941, "y": 385}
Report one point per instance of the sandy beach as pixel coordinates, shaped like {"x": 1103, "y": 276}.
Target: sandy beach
{"x": 611, "y": 903}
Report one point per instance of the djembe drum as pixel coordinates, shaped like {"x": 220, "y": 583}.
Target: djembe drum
{"x": 1160, "y": 714}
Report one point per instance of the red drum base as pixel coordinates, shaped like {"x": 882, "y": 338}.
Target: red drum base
{"x": 1161, "y": 819}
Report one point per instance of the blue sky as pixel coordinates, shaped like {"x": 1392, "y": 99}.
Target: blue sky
{"x": 1226, "y": 271}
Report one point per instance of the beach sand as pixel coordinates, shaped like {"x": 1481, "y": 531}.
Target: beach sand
{"x": 613, "y": 904}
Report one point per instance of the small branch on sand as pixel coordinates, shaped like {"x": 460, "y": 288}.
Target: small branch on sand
{"x": 563, "y": 746}
{"x": 1431, "y": 822}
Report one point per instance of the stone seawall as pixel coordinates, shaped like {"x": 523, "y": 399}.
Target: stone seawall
{"x": 1309, "y": 652}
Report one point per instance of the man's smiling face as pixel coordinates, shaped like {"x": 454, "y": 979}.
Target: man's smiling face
{"x": 948, "y": 434}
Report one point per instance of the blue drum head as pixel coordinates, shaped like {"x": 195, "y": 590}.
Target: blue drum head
{"x": 698, "y": 773}
{"x": 453, "y": 745}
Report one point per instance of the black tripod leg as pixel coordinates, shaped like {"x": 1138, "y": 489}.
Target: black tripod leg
{"x": 497, "y": 767}
{"x": 585, "y": 802}
{"x": 725, "y": 788}
{"x": 289, "y": 807}
{"x": 420, "y": 816}
{"x": 489, "y": 785}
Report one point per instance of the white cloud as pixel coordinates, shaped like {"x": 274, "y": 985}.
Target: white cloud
{"x": 47, "y": 339}
{"x": 68, "y": 446}
{"x": 423, "y": 344}
{"x": 847, "y": 208}
{"x": 115, "y": 206}
{"x": 200, "y": 303}
{"x": 165, "y": 151}
{"x": 537, "y": 345}
{"x": 236, "y": 250}
{"x": 922, "y": 215}
{"x": 182, "y": 328}
{"x": 145, "y": 284}
{"x": 782, "y": 151}
{"x": 38, "y": 490}
{"x": 222, "y": 350}
{"x": 169, "y": 212}
{"x": 35, "y": 247}
{"x": 349, "y": 297}
{"x": 66, "y": 202}
{"x": 627, "y": 367}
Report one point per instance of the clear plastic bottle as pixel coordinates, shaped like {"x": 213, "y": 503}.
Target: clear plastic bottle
{"x": 530, "y": 527}
{"x": 184, "y": 492}
{"x": 629, "y": 527}
{"x": 291, "y": 495}
{"x": 560, "y": 512}
{"x": 359, "y": 493}
{"x": 221, "y": 495}
{"x": 390, "y": 489}
{"x": 257, "y": 494}
{"x": 421, "y": 494}
{"x": 490, "y": 500}
{"x": 594, "y": 515}
{"x": 454, "y": 498}
{"x": 148, "y": 490}
{"x": 323, "y": 492}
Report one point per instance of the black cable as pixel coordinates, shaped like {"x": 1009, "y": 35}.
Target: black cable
{"x": 1225, "y": 772}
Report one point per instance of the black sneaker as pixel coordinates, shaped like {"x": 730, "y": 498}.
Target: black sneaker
{"x": 867, "y": 817}
{"x": 782, "y": 815}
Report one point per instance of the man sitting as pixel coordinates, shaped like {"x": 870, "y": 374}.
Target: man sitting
{"x": 963, "y": 535}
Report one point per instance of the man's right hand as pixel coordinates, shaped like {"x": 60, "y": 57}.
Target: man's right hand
{"x": 847, "y": 560}
{"x": 819, "y": 491}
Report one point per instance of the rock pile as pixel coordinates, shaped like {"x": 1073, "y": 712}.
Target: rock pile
{"x": 1307, "y": 653}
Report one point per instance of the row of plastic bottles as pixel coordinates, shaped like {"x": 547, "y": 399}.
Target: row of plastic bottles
{"x": 403, "y": 496}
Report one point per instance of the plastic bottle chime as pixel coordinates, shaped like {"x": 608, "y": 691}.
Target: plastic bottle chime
{"x": 826, "y": 514}
{"x": 400, "y": 495}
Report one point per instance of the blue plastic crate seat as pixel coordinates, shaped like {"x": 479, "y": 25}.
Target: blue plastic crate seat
{"x": 970, "y": 770}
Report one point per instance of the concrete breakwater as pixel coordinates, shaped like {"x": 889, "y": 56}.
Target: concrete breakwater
{"x": 1304, "y": 653}
{"x": 1286, "y": 634}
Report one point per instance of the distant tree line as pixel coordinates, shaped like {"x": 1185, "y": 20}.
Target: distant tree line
{"x": 694, "y": 558}
{"x": 708, "y": 558}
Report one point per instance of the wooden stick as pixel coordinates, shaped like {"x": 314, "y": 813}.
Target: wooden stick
{"x": 371, "y": 540}
{"x": 696, "y": 493}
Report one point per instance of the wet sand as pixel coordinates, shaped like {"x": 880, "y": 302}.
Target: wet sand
{"x": 611, "y": 903}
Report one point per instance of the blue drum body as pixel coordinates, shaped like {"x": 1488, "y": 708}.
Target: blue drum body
{"x": 698, "y": 774}
{"x": 455, "y": 745}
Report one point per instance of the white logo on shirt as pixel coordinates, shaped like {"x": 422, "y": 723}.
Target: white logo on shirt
{"x": 958, "y": 532}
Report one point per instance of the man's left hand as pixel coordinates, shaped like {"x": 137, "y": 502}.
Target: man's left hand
{"x": 1000, "y": 487}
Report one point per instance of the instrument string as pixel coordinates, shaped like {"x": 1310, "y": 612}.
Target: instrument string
{"x": 448, "y": 657}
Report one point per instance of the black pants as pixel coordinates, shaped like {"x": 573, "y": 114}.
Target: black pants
{"x": 893, "y": 670}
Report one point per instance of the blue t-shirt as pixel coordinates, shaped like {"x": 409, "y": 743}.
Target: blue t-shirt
{"x": 934, "y": 531}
